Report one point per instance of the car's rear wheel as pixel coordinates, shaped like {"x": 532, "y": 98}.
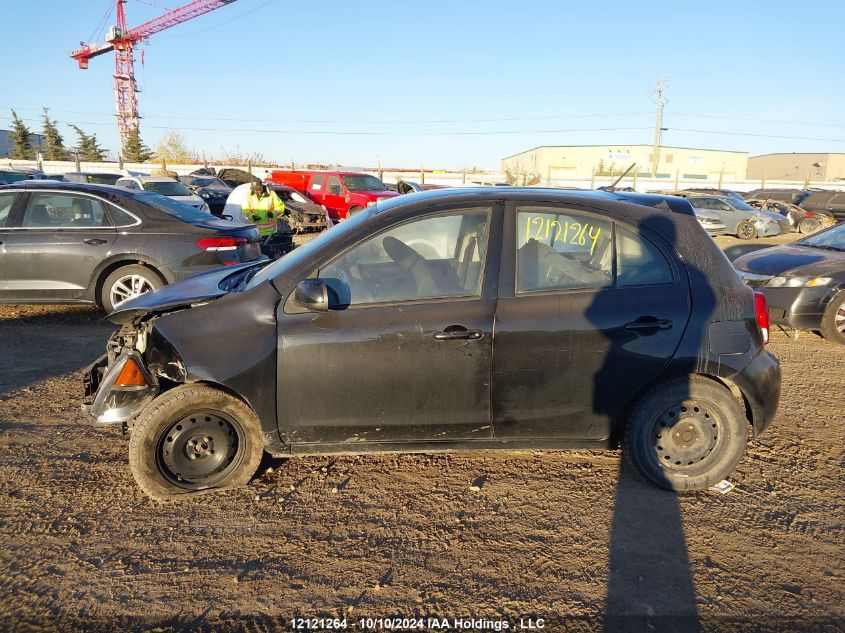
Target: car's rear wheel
{"x": 194, "y": 438}
{"x": 127, "y": 282}
{"x": 833, "y": 320}
{"x": 809, "y": 225}
{"x": 745, "y": 230}
{"x": 685, "y": 434}
{"x": 353, "y": 210}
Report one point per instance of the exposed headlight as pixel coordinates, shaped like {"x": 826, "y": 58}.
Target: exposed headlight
{"x": 798, "y": 282}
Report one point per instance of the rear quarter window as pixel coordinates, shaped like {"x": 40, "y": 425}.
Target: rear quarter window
{"x": 6, "y": 202}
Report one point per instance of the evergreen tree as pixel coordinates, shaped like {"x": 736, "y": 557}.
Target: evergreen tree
{"x": 20, "y": 140}
{"x": 88, "y": 147}
{"x": 52, "y": 146}
{"x": 134, "y": 150}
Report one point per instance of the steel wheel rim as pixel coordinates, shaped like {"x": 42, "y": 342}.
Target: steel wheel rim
{"x": 128, "y": 287}
{"x": 688, "y": 437}
{"x": 200, "y": 450}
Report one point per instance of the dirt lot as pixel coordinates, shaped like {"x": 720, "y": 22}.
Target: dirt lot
{"x": 571, "y": 537}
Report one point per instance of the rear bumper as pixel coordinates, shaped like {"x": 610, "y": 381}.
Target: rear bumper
{"x": 760, "y": 383}
{"x": 115, "y": 405}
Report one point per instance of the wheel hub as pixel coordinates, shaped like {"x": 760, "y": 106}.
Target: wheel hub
{"x": 686, "y": 435}
{"x": 198, "y": 449}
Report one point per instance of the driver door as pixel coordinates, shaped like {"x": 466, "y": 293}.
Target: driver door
{"x": 405, "y": 352}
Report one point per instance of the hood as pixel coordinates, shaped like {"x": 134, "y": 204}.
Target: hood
{"x": 196, "y": 289}
{"x": 801, "y": 261}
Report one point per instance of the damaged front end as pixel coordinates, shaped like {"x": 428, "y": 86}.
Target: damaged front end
{"x": 130, "y": 374}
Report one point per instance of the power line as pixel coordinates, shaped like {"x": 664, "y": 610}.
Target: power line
{"x": 794, "y": 138}
{"x": 737, "y": 118}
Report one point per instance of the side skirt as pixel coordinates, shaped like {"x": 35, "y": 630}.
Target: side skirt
{"x": 357, "y": 448}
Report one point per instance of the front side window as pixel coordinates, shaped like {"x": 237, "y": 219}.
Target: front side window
{"x": 363, "y": 183}
{"x": 333, "y": 186}
{"x": 430, "y": 258}
{"x": 61, "y": 210}
{"x": 559, "y": 249}
{"x": 6, "y": 202}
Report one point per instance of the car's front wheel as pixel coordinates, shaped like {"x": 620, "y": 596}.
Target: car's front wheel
{"x": 833, "y": 320}
{"x": 685, "y": 434}
{"x": 745, "y": 230}
{"x": 194, "y": 438}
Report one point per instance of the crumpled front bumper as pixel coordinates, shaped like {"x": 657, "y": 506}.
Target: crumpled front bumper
{"x": 116, "y": 405}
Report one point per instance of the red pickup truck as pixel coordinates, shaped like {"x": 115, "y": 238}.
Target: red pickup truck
{"x": 343, "y": 193}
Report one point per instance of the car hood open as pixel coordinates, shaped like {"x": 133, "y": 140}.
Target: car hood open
{"x": 197, "y": 289}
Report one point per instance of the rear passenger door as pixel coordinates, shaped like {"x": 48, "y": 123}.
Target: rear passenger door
{"x": 55, "y": 245}
{"x": 590, "y": 310}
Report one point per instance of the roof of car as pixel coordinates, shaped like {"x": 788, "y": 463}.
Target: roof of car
{"x": 676, "y": 204}
{"x": 73, "y": 186}
{"x": 150, "y": 178}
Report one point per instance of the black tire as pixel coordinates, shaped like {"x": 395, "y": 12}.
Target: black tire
{"x": 707, "y": 433}
{"x": 353, "y": 210}
{"x": 108, "y": 289}
{"x": 809, "y": 225}
{"x": 745, "y": 230}
{"x": 194, "y": 438}
{"x": 833, "y": 320}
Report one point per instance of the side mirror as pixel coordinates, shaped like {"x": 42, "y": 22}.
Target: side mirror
{"x": 312, "y": 294}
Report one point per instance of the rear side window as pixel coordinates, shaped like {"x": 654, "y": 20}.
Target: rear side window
{"x": 559, "y": 250}
{"x": 638, "y": 261}
{"x": 64, "y": 211}
{"x": 121, "y": 218}
{"x": 6, "y": 202}
{"x": 317, "y": 183}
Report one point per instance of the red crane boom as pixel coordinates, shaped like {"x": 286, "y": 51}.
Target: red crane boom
{"x": 122, "y": 41}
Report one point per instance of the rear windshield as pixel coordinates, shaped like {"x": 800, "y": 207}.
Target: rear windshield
{"x": 739, "y": 204}
{"x": 204, "y": 181}
{"x": 363, "y": 183}
{"x": 103, "y": 179}
{"x": 167, "y": 188}
{"x": 173, "y": 208}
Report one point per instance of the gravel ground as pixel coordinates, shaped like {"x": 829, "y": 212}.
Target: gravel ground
{"x": 570, "y": 537}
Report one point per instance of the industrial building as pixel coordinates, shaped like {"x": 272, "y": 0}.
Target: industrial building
{"x": 561, "y": 162}
{"x": 5, "y": 142}
{"x": 797, "y": 167}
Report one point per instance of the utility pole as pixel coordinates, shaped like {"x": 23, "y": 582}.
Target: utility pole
{"x": 658, "y": 124}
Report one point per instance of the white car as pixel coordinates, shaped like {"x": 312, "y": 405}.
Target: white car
{"x": 166, "y": 187}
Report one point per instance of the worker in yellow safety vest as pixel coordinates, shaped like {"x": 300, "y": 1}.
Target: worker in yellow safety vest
{"x": 263, "y": 207}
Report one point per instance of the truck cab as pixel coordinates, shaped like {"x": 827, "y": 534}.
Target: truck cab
{"x": 343, "y": 193}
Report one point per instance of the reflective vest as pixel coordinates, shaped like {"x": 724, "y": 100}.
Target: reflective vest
{"x": 263, "y": 211}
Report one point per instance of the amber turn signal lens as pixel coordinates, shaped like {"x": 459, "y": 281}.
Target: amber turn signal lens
{"x": 131, "y": 375}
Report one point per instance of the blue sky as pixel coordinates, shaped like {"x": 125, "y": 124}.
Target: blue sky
{"x": 445, "y": 84}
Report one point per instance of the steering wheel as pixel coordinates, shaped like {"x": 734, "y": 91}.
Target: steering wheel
{"x": 400, "y": 252}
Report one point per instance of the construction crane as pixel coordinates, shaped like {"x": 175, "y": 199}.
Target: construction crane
{"x": 122, "y": 41}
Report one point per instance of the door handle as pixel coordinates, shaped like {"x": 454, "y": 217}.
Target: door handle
{"x": 648, "y": 323}
{"x": 93, "y": 241}
{"x": 458, "y": 332}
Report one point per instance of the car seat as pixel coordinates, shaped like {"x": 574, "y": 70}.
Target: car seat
{"x": 39, "y": 216}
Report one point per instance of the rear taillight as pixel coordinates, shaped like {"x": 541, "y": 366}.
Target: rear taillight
{"x": 221, "y": 243}
{"x": 761, "y": 313}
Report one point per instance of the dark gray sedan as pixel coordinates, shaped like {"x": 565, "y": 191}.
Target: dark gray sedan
{"x": 84, "y": 243}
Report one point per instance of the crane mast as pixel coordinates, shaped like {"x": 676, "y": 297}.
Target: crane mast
{"x": 122, "y": 40}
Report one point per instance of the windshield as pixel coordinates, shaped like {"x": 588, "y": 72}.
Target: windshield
{"x": 298, "y": 254}
{"x": 204, "y": 181}
{"x": 363, "y": 183}
{"x": 178, "y": 210}
{"x": 739, "y": 204}
{"x": 102, "y": 179}
{"x": 167, "y": 188}
{"x": 834, "y": 237}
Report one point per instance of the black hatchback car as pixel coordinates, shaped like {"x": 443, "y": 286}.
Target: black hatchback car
{"x": 86, "y": 243}
{"x": 451, "y": 320}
